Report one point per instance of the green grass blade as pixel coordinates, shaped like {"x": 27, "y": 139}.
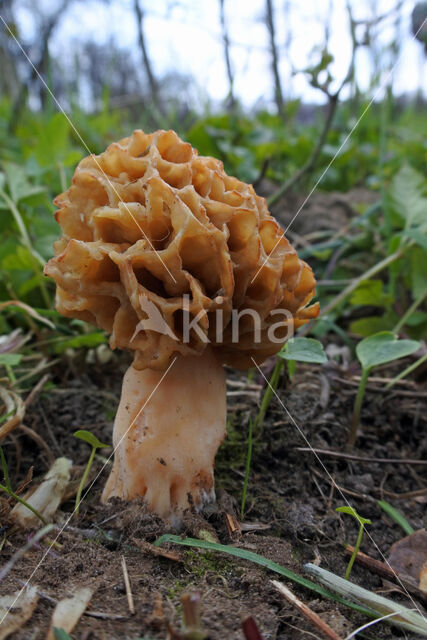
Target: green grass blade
{"x": 263, "y": 562}
{"x": 5, "y": 470}
{"x": 396, "y": 516}
{"x": 403, "y": 617}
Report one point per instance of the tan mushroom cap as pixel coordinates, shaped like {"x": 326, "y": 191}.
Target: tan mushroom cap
{"x": 149, "y": 221}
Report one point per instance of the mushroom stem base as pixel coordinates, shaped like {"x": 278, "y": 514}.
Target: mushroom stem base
{"x": 166, "y": 435}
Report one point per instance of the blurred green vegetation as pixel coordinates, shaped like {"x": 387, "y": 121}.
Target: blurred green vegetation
{"x": 386, "y": 153}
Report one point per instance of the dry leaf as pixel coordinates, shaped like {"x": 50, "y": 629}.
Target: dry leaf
{"x": 16, "y": 609}
{"x": 47, "y": 497}
{"x": 408, "y": 555}
{"x": 68, "y": 611}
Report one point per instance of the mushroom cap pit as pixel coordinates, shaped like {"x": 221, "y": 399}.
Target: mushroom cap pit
{"x": 151, "y": 226}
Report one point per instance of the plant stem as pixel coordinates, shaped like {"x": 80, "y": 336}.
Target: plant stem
{"x": 268, "y": 393}
{"x": 355, "y": 551}
{"x": 356, "y": 409}
{"x": 409, "y": 312}
{"x": 248, "y": 468}
{"x": 407, "y": 371}
{"x": 83, "y": 480}
{"x": 379, "y": 266}
{"x": 18, "y": 499}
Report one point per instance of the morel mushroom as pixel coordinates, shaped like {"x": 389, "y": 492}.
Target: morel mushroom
{"x": 165, "y": 251}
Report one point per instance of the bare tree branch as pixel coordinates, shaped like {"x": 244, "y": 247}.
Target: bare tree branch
{"x": 154, "y": 88}
{"x": 278, "y": 93}
{"x": 231, "y": 102}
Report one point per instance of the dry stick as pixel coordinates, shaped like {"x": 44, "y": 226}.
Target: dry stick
{"x": 348, "y": 456}
{"x": 29, "y": 399}
{"x": 373, "y": 389}
{"x": 87, "y": 612}
{"x": 305, "y": 610}
{"x": 128, "y": 587}
{"x": 385, "y": 571}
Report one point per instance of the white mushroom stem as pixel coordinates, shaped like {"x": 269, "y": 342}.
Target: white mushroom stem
{"x": 166, "y": 435}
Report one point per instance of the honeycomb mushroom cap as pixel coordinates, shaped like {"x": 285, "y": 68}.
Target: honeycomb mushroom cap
{"x": 151, "y": 220}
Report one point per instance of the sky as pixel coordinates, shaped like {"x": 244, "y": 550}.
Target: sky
{"x": 185, "y": 35}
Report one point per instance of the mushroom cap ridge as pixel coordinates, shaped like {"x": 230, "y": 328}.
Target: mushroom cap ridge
{"x": 153, "y": 231}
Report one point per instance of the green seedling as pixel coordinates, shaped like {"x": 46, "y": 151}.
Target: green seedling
{"x": 60, "y": 634}
{"x": 248, "y": 467}
{"x": 7, "y": 488}
{"x": 295, "y": 350}
{"x": 362, "y": 522}
{"x": 379, "y": 348}
{"x": 88, "y": 437}
{"x": 395, "y": 515}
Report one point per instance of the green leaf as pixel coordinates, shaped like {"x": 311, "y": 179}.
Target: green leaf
{"x": 407, "y": 197}
{"x": 418, "y": 261}
{"x": 88, "y": 340}
{"x": 52, "y": 141}
{"x": 303, "y": 350}
{"x": 353, "y": 512}
{"x": 373, "y": 324}
{"x": 88, "y": 437}
{"x": 10, "y": 359}
{"x": 383, "y": 347}
{"x": 396, "y": 516}
{"x": 61, "y": 634}
{"x": 419, "y": 235}
{"x": 20, "y": 260}
{"x": 244, "y": 554}
{"x": 370, "y": 292}
{"x": 18, "y": 183}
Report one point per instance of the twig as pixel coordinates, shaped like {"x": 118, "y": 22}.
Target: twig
{"x": 39, "y": 440}
{"x": 386, "y": 571}
{"x": 407, "y": 494}
{"x": 129, "y": 595}
{"x": 233, "y": 526}
{"x": 305, "y": 610}
{"x": 87, "y": 612}
{"x": 400, "y": 392}
{"x": 143, "y": 545}
{"x": 12, "y": 401}
{"x": 349, "y": 456}
{"x": 29, "y": 399}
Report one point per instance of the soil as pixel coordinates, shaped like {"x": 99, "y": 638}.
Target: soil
{"x": 290, "y": 509}
{"x": 289, "y": 518}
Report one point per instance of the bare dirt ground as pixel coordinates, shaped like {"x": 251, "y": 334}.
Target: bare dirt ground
{"x": 290, "y": 511}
